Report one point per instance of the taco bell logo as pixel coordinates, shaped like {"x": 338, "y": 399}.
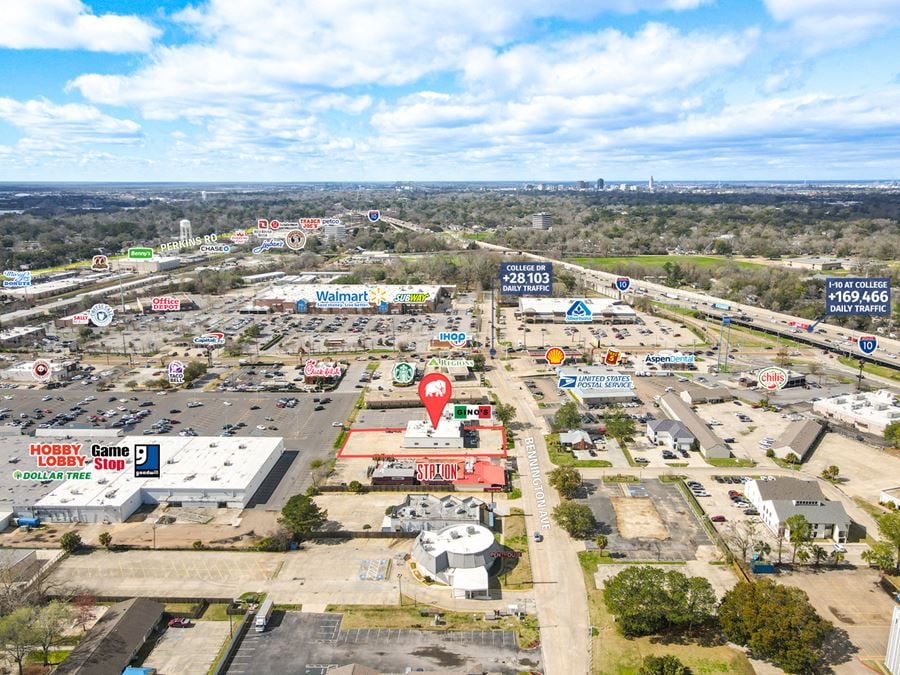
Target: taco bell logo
{"x": 175, "y": 372}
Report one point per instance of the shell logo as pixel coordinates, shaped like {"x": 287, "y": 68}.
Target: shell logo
{"x": 555, "y": 356}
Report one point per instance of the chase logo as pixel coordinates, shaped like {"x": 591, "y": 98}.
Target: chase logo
{"x": 567, "y": 381}
{"x": 146, "y": 461}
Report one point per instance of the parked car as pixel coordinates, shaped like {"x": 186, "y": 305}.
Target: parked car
{"x": 538, "y": 536}
{"x": 178, "y": 622}
{"x": 718, "y": 519}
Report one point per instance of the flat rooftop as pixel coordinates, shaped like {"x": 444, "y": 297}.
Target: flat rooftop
{"x": 214, "y": 463}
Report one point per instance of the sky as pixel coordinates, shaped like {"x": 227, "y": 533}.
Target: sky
{"x": 428, "y": 90}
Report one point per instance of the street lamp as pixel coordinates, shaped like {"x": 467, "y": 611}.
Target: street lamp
{"x": 400, "y": 586}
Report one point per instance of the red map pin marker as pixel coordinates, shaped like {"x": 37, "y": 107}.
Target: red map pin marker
{"x": 434, "y": 391}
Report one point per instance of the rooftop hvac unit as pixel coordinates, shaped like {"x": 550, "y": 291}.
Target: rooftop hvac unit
{"x": 214, "y": 445}
{"x": 243, "y": 446}
{"x": 455, "y": 535}
{"x": 64, "y": 500}
{"x": 103, "y": 481}
{"x": 470, "y": 529}
{"x": 190, "y": 477}
{"x": 227, "y": 462}
{"x": 214, "y": 478}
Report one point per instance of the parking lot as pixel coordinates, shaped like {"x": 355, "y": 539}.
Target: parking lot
{"x": 188, "y": 650}
{"x": 316, "y": 643}
{"x": 669, "y": 527}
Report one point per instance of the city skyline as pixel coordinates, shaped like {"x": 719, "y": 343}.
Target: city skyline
{"x": 685, "y": 90}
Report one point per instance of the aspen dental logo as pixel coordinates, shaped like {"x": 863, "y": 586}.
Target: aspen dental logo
{"x": 772, "y": 379}
{"x": 667, "y": 359}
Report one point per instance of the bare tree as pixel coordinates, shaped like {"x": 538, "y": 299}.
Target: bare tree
{"x": 84, "y": 609}
{"x": 742, "y": 537}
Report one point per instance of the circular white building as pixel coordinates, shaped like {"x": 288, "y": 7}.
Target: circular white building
{"x": 459, "y": 556}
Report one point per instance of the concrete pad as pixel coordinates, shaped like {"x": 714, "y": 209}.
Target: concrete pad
{"x": 188, "y": 650}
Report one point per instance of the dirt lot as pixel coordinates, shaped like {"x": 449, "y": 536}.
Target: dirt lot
{"x": 638, "y": 517}
{"x": 854, "y": 602}
{"x": 747, "y": 435}
{"x": 865, "y": 470}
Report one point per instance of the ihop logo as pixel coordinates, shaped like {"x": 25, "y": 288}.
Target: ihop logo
{"x": 455, "y": 339}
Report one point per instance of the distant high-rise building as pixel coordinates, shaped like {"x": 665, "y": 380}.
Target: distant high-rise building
{"x": 185, "y": 230}
{"x": 600, "y": 184}
{"x": 540, "y": 221}
{"x": 650, "y": 184}
{"x": 581, "y": 185}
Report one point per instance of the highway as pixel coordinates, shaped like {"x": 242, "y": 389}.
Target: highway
{"x": 826, "y": 336}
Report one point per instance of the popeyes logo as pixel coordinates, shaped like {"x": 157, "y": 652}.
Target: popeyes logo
{"x": 165, "y": 304}
{"x": 313, "y": 368}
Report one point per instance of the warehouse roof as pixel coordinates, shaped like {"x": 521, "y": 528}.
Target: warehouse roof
{"x": 800, "y": 437}
{"x": 682, "y": 411}
{"x": 212, "y": 463}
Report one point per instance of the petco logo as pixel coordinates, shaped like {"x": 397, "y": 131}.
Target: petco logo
{"x": 772, "y": 379}
{"x": 455, "y": 339}
{"x": 437, "y": 472}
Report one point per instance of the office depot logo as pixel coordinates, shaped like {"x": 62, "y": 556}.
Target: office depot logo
{"x": 165, "y": 304}
{"x": 772, "y": 378}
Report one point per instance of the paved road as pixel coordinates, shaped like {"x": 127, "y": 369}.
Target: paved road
{"x": 558, "y": 582}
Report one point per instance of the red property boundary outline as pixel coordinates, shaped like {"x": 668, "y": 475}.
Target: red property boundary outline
{"x": 430, "y": 455}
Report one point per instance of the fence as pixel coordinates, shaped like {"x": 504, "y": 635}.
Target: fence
{"x": 225, "y": 660}
{"x": 363, "y": 534}
{"x": 449, "y": 487}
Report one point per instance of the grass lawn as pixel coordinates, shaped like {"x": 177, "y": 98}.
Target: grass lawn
{"x": 407, "y": 616}
{"x": 179, "y": 607}
{"x": 872, "y": 509}
{"x": 516, "y": 572}
{"x": 660, "y": 260}
{"x": 871, "y": 368}
{"x": 730, "y": 461}
{"x": 55, "y": 657}
{"x": 562, "y": 457}
{"x": 216, "y": 612}
{"x": 614, "y": 654}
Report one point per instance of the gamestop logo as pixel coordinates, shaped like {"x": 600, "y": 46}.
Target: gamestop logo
{"x": 772, "y": 379}
{"x": 146, "y": 460}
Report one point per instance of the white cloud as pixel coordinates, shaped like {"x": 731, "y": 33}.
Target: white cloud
{"x": 821, "y": 25}
{"x": 69, "y": 24}
{"x": 72, "y": 123}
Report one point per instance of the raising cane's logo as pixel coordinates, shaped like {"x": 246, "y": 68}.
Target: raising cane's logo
{"x": 312, "y": 368}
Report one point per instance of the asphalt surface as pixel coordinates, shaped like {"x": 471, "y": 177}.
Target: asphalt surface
{"x": 316, "y": 643}
{"x": 685, "y": 534}
{"x": 307, "y": 431}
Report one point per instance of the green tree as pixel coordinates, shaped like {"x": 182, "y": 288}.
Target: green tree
{"x": 505, "y": 413}
{"x": 662, "y": 665}
{"x": 70, "y": 542}
{"x": 881, "y": 555}
{"x": 619, "y": 425}
{"x": 566, "y": 480}
{"x": 254, "y": 331}
{"x": 355, "y": 486}
{"x": 776, "y": 622}
{"x": 831, "y": 473}
{"x": 301, "y": 515}
{"x": 478, "y": 363}
{"x": 889, "y": 526}
{"x": 194, "y": 370}
{"x": 837, "y": 557}
{"x": 818, "y": 554}
{"x": 799, "y": 533}
{"x": 576, "y": 519}
{"x": 892, "y": 434}
{"x": 567, "y": 417}
{"x": 648, "y": 600}
{"x": 49, "y": 623}
{"x": 105, "y": 539}
{"x": 17, "y": 636}
{"x": 601, "y": 541}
